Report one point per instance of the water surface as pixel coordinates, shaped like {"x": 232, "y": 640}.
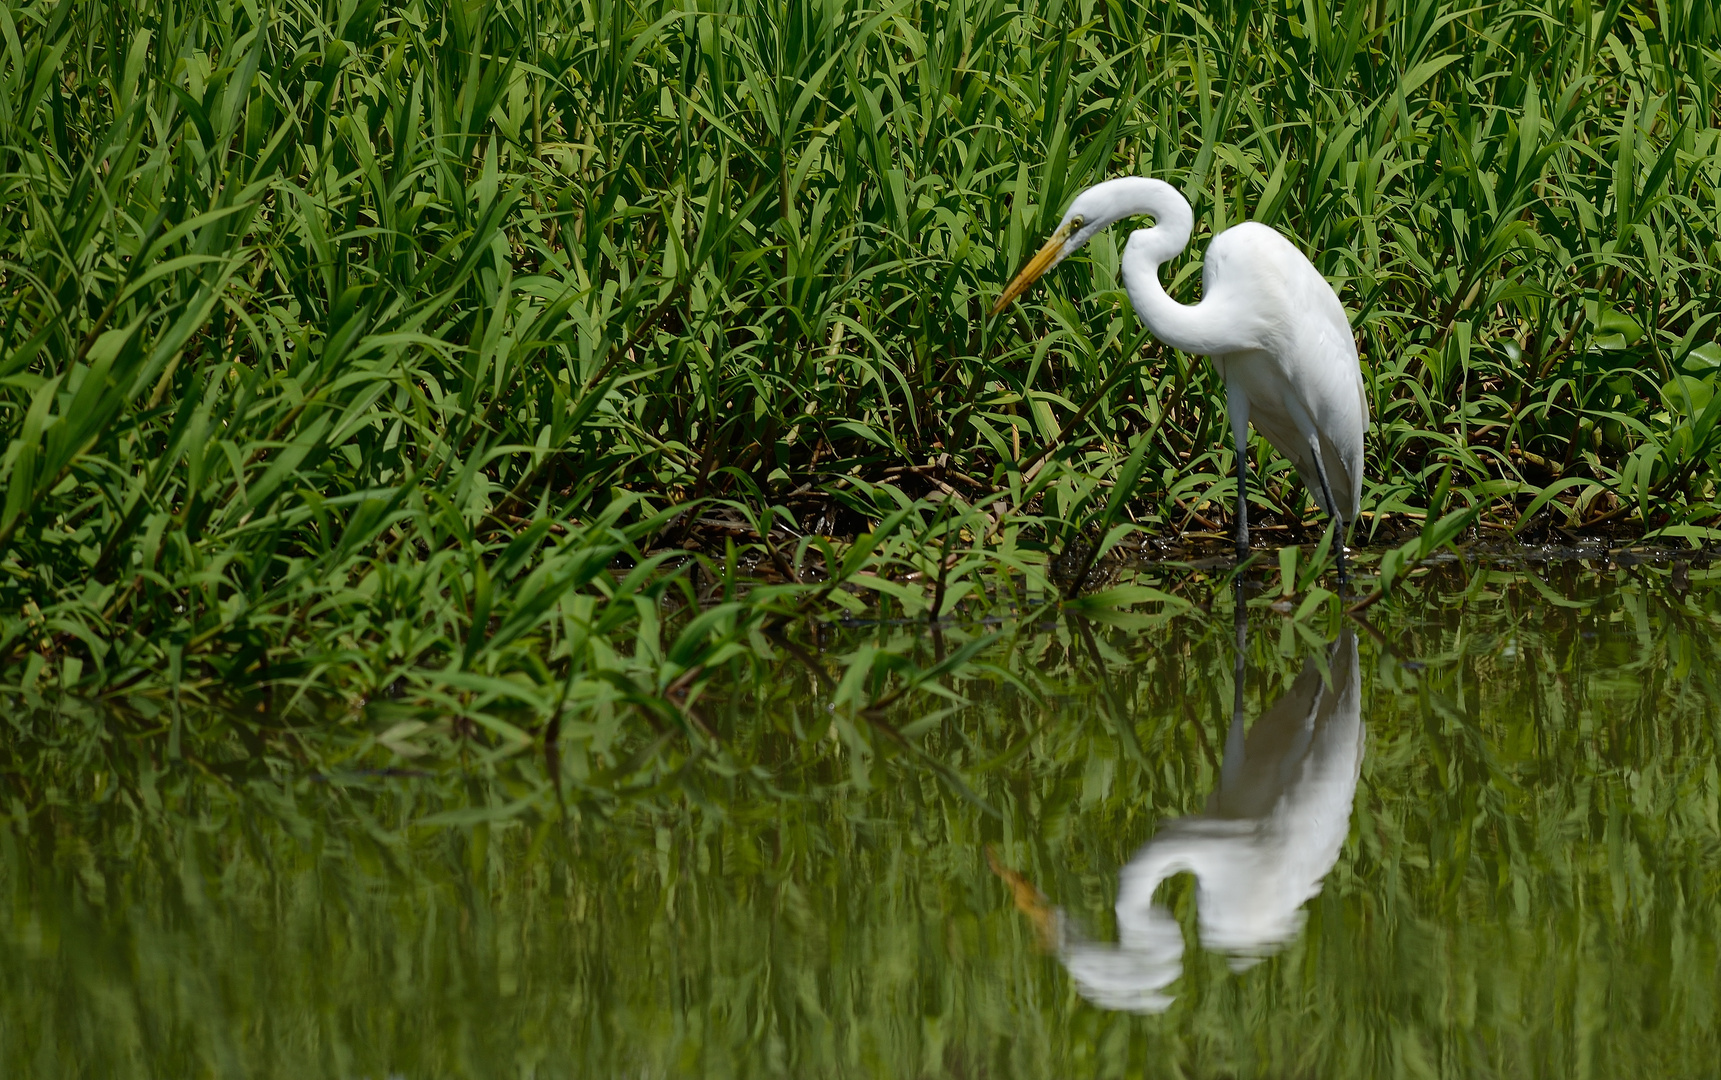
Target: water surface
{"x": 1476, "y": 838}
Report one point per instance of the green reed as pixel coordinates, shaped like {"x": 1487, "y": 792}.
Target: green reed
{"x": 432, "y": 356}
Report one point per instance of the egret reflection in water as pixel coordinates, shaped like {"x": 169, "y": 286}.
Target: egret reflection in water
{"x": 1270, "y": 834}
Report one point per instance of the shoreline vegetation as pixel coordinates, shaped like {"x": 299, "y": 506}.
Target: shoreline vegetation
{"x": 526, "y": 368}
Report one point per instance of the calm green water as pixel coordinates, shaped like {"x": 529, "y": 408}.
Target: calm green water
{"x": 1493, "y": 854}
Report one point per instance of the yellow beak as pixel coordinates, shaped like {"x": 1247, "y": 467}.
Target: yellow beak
{"x": 1039, "y": 264}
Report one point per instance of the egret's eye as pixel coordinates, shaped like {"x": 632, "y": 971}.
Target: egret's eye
{"x": 1077, "y": 222}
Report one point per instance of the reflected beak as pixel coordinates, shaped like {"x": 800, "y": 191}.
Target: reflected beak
{"x": 1039, "y": 264}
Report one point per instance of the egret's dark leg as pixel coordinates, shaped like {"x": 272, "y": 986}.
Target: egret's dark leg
{"x": 1242, "y": 506}
{"x": 1238, "y": 405}
{"x": 1338, "y": 522}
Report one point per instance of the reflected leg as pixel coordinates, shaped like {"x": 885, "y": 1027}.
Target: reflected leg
{"x": 1232, "y": 766}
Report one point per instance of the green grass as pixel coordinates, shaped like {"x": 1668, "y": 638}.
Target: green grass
{"x": 439, "y": 354}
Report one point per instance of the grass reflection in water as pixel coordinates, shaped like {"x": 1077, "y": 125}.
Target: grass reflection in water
{"x": 1528, "y": 885}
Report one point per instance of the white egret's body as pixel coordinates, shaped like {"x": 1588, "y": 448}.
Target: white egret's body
{"x": 1272, "y": 325}
{"x": 1270, "y": 835}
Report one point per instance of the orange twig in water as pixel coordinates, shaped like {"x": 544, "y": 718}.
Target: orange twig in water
{"x": 1030, "y": 901}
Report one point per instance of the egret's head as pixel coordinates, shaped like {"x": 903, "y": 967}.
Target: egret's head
{"x": 1077, "y": 228}
{"x": 1093, "y": 210}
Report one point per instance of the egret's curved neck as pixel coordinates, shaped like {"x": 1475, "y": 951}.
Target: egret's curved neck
{"x": 1164, "y": 856}
{"x": 1204, "y": 328}
{"x": 1173, "y": 220}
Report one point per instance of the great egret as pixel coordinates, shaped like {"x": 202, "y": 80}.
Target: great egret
{"x": 1270, "y": 322}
